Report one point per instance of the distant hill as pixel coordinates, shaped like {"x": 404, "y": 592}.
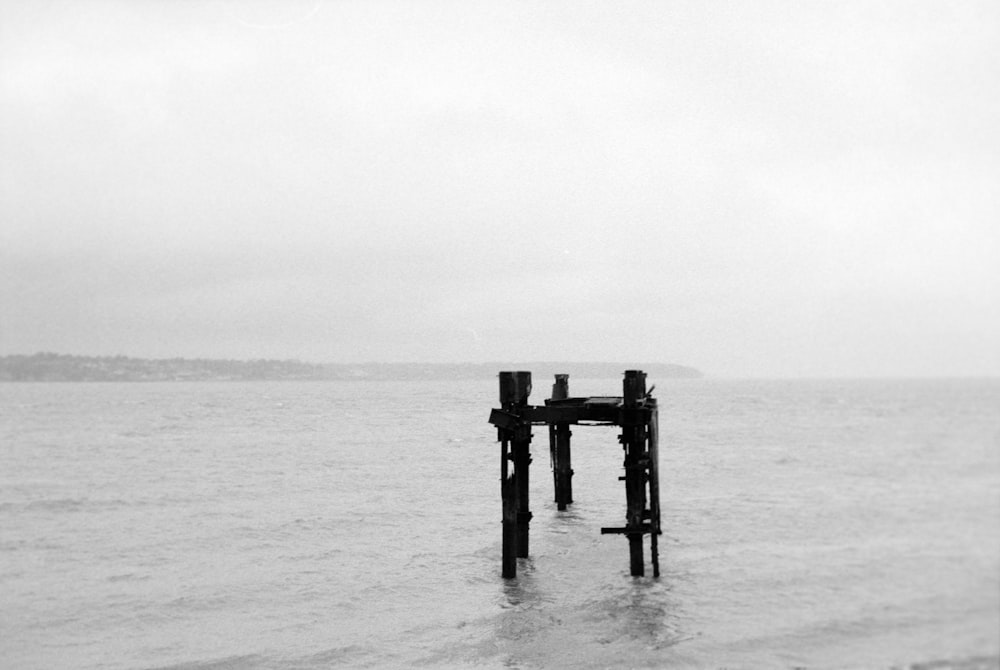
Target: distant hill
{"x": 62, "y": 367}
{"x": 539, "y": 370}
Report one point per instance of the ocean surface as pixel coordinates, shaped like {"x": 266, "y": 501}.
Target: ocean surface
{"x": 819, "y": 524}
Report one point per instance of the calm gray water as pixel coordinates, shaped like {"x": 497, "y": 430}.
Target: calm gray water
{"x": 312, "y": 525}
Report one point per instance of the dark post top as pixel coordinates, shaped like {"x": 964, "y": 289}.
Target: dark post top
{"x": 515, "y": 387}
{"x": 560, "y": 390}
{"x": 633, "y": 387}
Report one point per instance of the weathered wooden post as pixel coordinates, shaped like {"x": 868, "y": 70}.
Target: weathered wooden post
{"x": 515, "y": 438}
{"x": 633, "y": 440}
{"x": 508, "y": 499}
{"x": 559, "y": 435}
{"x": 653, "y": 449}
{"x": 522, "y": 463}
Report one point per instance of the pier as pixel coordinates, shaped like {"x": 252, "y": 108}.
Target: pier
{"x": 634, "y": 411}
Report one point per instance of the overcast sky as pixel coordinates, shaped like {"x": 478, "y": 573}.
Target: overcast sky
{"x": 751, "y": 188}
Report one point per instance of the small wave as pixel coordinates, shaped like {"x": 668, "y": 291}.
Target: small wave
{"x": 225, "y": 663}
{"x": 199, "y": 604}
{"x": 169, "y": 427}
{"x": 346, "y": 655}
{"x": 971, "y": 663}
{"x": 128, "y": 577}
{"x": 55, "y": 505}
{"x": 62, "y": 505}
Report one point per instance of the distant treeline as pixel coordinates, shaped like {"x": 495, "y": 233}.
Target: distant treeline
{"x": 50, "y": 367}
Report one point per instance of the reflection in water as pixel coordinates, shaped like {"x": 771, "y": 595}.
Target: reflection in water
{"x": 521, "y": 592}
{"x": 541, "y": 618}
{"x": 638, "y": 611}
{"x": 519, "y": 623}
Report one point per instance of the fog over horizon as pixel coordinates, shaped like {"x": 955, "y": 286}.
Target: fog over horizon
{"x": 768, "y": 189}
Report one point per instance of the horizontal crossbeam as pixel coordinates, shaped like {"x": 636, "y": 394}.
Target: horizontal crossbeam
{"x": 625, "y": 530}
{"x": 600, "y": 410}
{"x": 506, "y": 420}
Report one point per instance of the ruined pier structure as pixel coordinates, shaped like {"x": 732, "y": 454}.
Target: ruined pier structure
{"x": 634, "y": 411}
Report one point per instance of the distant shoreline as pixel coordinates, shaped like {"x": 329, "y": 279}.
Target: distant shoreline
{"x": 52, "y": 367}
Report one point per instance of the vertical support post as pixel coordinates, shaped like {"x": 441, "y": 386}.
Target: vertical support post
{"x": 515, "y": 387}
{"x": 508, "y": 568}
{"x": 633, "y": 440}
{"x": 654, "y": 553}
{"x": 522, "y": 460}
{"x": 509, "y": 504}
{"x": 559, "y": 436}
{"x": 564, "y": 473}
{"x": 653, "y": 450}
{"x": 553, "y": 460}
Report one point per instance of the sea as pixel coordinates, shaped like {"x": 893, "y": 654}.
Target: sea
{"x": 357, "y": 524}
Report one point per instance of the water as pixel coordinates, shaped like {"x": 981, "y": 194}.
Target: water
{"x": 315, "y": 525}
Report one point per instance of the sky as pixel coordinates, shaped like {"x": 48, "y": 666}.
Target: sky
{"x": 764, "y": 189}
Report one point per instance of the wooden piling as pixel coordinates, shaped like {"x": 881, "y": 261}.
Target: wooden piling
{"x": 522, "y": 461}
{"x": 564, "y": 473}
{"x": 509, "y": 506}
{"x": 515, "y": 435}
{"x": 559, "y": 392}
{"x": 633, "y": 440}
{"x": 509, "y": 559}
{"x": 653, "y": 449}
{"x": 559, "y": 441}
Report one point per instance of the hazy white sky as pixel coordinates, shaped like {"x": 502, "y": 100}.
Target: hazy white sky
{"x": 751, "y": 188}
